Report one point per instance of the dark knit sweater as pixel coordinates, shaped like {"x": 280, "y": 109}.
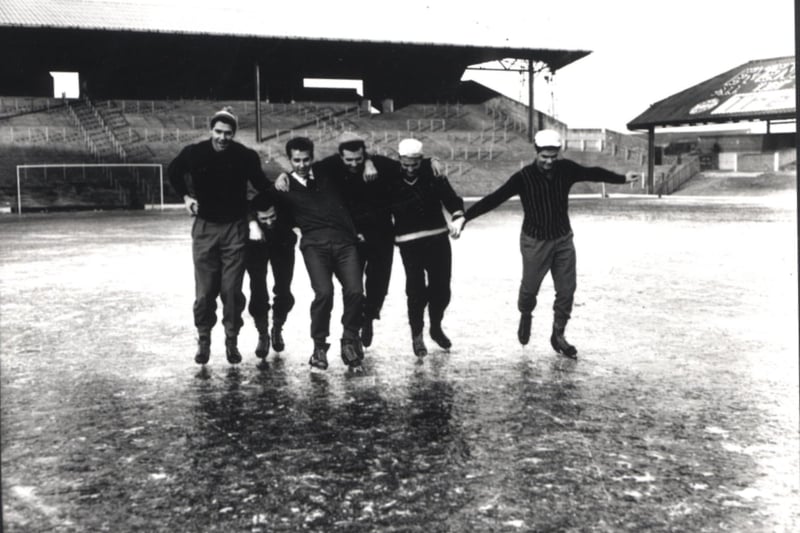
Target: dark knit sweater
{"x": 417, "y": 207}
{"x": 318, "y": 210}
{"x": 218, "y": 180}
{"x": 366, "y": 201}
{"x": 544, "y": 199}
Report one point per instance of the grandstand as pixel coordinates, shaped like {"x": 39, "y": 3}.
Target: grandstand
{"x": 480, "y": 143}
{"x": 136, "y": 109}
{"x": 150, "y": 79}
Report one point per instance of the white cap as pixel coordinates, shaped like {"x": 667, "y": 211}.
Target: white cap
{"x": 410, "y": 148}
{"x": 547, "y": 139}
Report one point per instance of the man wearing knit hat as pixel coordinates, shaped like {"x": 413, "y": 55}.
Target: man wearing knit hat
{"x": 421, "y": 234}
{"x": 212, "y": 178}
{"x": 546, "y": 239}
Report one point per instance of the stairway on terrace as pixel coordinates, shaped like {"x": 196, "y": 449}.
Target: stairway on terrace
{"x": 133, "y": 146}
{"x": 98, "y": 137}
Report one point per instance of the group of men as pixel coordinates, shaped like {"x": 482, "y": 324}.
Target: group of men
{"x": 351, "y": 209}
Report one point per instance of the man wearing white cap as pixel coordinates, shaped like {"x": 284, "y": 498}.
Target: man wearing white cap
{"x": 421, "y": 234}
{"x": 546, "y": 239}
{"x": 219, "y": 170}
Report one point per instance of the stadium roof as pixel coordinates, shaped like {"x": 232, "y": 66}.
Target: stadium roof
{"x": 758, "y": 90}
{"x": 255, "y": 20}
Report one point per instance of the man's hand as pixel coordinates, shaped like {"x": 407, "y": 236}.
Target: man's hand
{"x": 361, "y": 238}
{"x": 255, "y": 231}
{"x": 437, "y": 167}
{"x": 282, "y": 182}
{"x": 632, "y": 176}
{"x": 456, "y": 226}
{"x": 370, "y": 172}
{"x": 191, "y": 204}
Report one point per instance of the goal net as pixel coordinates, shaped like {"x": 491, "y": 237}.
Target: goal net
{"x": 73, "y": 186}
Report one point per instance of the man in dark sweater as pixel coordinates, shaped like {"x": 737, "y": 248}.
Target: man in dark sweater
{"x": 546, "y": 239}
{"x": 271, "y": 243}
{"x": 421, "y": 234}
{"x": 219, "y": 170}
{"x": 366, "y": 199}
{"x": 328, "y": 245}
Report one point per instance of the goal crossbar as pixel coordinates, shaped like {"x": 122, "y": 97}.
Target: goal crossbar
{"x": 159, "y": 166}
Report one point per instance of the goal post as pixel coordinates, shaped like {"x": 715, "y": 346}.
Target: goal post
{"x": 120, "y": 179}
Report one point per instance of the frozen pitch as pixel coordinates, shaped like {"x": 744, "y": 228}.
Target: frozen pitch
{"x": 680, "y": 413}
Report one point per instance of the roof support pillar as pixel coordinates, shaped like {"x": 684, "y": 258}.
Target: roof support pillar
{"x": 257, "y": 75}
{"x": 531, "y": 111}
{"x": 651, "y": 159}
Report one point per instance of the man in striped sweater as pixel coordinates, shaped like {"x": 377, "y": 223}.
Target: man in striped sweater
{"x": 421, "y": 233}
{"x": 546, "y": 239}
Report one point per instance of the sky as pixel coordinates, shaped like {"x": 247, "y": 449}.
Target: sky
{"x": 642, "y": 52}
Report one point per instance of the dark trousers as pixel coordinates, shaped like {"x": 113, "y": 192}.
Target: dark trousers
{"x": 218, "y": 254}
{"x": 323, "y": 261}
{"x": 376, "y": 255}
{"x": 431, "y": 257}
{"x": 556, "y": 256}
{"x": 258, "y": 256}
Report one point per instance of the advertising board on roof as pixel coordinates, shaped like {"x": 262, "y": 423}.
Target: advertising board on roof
{"x": 760, "y": 90}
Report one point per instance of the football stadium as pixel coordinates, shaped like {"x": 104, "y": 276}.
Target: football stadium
{"x": 679, "y": 412}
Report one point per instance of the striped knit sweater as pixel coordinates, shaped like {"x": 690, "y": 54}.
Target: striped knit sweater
{"x": 544, "y": 199}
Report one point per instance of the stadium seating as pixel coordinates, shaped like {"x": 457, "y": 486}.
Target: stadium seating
{"x": 480, "y": 145}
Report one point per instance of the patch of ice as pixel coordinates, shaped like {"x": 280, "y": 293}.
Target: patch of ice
{"x": 749, "y": 493}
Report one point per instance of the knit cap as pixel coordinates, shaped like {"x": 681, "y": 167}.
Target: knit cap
{"x": 226, "y": 115}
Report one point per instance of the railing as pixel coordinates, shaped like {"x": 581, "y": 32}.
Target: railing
{"x": 39, "y": 134}
{"x": 118, "y": 148}
{"x": 679, "y": 175}
{"x": 517, "y": 113}
{"x": 86, "y": 137}
{"x": 10, "y": 106}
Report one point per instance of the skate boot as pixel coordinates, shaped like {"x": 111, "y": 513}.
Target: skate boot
{"x": 203, "y": 349}
{"x": 277, "y": 338}
{"x": 524, "y": 329}
{"x": 319, "y": 358}
{"x": 351, "y": 353}
{"x": 232, "y": 353}
{"x": 419, "y": 345}
{"x": 262, "y": 348}
{"x": 439, "y": 337}
{"x": 560, "y": 344}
